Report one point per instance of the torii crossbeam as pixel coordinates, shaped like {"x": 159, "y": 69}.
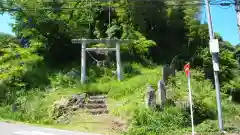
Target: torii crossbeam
{"x": 85, "y": 42}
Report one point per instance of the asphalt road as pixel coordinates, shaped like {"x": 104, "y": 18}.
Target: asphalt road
{"x": 22, "y": 129}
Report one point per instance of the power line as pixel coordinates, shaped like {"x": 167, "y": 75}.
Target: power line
{"x": 194, "y": 3}
{"x": 225, "y": 3}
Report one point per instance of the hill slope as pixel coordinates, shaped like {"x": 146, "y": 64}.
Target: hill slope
{"x": 126, "y": 105}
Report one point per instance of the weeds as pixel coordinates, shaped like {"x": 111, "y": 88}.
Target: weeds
{"x": 29, "y": 95}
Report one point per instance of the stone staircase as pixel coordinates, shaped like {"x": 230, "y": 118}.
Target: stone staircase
{"x": 96, "y": 104}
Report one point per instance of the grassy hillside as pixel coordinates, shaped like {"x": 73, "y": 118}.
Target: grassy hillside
{"x": 125, "y": 100}
{"x": 33, "y": 79}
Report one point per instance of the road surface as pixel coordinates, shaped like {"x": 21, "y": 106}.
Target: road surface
{"x": 22, "y": 129}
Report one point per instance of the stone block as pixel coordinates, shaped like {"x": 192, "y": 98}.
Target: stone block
{"x": 161, "y": 93}
{"x": 150, "y": 98}
{"x": 167, "y": 71}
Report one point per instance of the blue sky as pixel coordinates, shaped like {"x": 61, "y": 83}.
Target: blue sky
{"x": 224, "y": 22}
{"x": 4, "y": 23}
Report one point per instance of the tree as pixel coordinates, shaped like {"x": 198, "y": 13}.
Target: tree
{"x": 6, "y": 39}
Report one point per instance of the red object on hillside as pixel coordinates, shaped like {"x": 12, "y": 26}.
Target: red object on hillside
{"x": 187, "y": 68}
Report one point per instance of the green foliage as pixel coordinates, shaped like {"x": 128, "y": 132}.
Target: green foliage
{"x": 147, "y": 122}
{"x": 17, "y": 65}
{"x": 132, "y": 20}
{"x": 176, "y": 120}
{"x": 157, "y": 34}
{"x": 203, "y": 107}
{"x": 6, "y": 40}
{"x": 234, "y": 83}
{"x": 228, "y": 62}
{"x": 140, "y": 46}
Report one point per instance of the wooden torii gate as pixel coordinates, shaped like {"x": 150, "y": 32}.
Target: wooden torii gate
{"x": 85, "y": 42}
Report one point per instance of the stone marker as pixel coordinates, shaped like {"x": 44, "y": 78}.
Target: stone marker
{"x": 233, "y": 97}
{"x": 230, "y": 97}
{"x": 161, "y": 93}
{"x": 14, "y": 107}
{"x": 150, "y": 97}
{"x": 167, "y": 71}
{"x": 73, "y": 74}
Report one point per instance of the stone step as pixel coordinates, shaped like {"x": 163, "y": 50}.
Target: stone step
{"x": 96, "y": 101}
{"x": 97, "y": 97}
{"x": 95, "y": 106}
{"x": 97, "y": 111}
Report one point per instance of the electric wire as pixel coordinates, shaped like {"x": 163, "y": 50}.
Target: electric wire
{"x": 194, "y": 3}
{"x": 225, "y": 4}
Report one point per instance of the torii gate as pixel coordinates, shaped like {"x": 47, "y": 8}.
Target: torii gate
{"x": 85, "y": 42}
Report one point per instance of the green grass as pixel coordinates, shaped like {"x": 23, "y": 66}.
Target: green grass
{"x": 125, "y": 101}
{"x": 176, "y": 119}
{"x": 37, "y": 105}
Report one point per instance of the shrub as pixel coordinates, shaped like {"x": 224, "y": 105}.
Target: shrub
{"x": 176, "y": 120}
{"x": 148, "y": 122}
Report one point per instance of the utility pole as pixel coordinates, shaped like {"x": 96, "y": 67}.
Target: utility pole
{"x": 214, "y": 49}
{"x": 237, "y": 8}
